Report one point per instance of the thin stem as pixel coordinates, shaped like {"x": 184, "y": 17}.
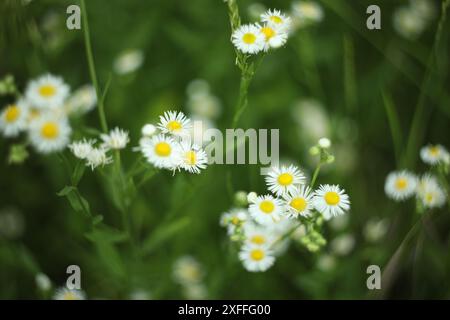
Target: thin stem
{"x": 315, "y": 175}
{"x": 243, "y": 98}
{"x": 93, "y": 74}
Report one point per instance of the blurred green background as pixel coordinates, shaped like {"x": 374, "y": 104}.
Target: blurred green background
{"x": 338, "y": 63}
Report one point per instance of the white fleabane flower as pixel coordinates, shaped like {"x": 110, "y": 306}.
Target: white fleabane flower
{"x": 128, "y": 61}
{"x": 433, "y": 154}
{"x": 276, "y": 18}
{"x": 256, "y": 258}
{"x": 274, "y": 36}
{"x": 82, "y": 148}
{"x": 307, "y": 10}
{"x": 14, "y": 119}
{"x": 252, "y": 197}
{"x": 116, "y": 139}
{"x": 47, "y": 91}
{"x": 258, "y": 235}
{"x": 187, "y": 270}
{"x": 324, "y": 143}
{"x": 97, "y": 157}
{"x": 43, "y": 282}
{"x": 82, "y": 100}
{"x": 400, "y": 185}
{"x": 233, "y": 219}
{"x": 161, "y": 151}
{"x": 148, "y": 130}
{"x": 284, "y": 179}
{"x": 266, "y": 210}
{"x": 49, "y": 133}
{"x": 191, "y": 157}
{"x": 69, "y": 294}
{"x": 175, "y": 123}
{"x": 430, "y": 192}
{"x": 331, "y": 201}
{"x": 248, "y": 39}
{"x": 408, "y": 22}
{"x": 299, "y": 201}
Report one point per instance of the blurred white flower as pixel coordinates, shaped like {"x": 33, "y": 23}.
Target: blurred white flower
{"x": 324, "y": 143}
{"x": 140, "y": 294}
{"x": 69, "y": 294}
{"x": 43, "y": 282}
{"x": 312, "y": 119}
{"x": 49, "y": 133}
{"x": 187, "y": 271}
{"x": 434, "y": 154}
{"x": 97, "y": 157}
{"x": 129, "y": 61}
{"x": 82, "y": 100}
{"x": 12, "y": 223}
{"x": 276, "y": 19}
{"x": 326, "y": 262}
{"x": 252, "y": 197}
{"x": 400, "y": 185}
{"x": 47, "y": 92}
{"x": 409, "y": 23}
{"x": 14, "y": 119}
{"x": 82, "y": 148}
{"x": 116, "y": 139}
{"x": 148, "y": 130}
{"x": 375, "y": 229}
{"x": 343, "y": 244}
{"x": 195, "y": 291}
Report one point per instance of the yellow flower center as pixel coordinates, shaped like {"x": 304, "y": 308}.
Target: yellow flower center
{"x": 50, "y": 130}
{"x": 257, "y": 254}
{"x": 249, "y": 38}
{"x": 12, "y": 113}
{"x": 268, "y": 32}
{"x": 47, "y": 91}
{"x": 174, "y": 126}
{"x": 285, "y": 179}
{"x": 332, "y": 198}
{"x": 266, "y": 206}
{"x": 163, "y": 149}
{"x": 434, "y": 151}
{"x": 429, "y": 197}
{"x": 401, "y": 183}
{"x": 258, "y": 239}
{"x": 235, "y": 221}
{"x": 298, "y": 204}
{"x": 191, "y": 158}
{"x": 276, "y": 19}
{"x": 70, "y": 296}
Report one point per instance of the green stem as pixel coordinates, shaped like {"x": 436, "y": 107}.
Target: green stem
{"x": 93, "y": 74}
{"x": 315, "y": 175}
{"x": 242, "y": 103}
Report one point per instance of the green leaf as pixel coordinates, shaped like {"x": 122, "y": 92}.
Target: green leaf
{"x": 78, "y": 173}
{"x": 65, "y": 191}
{"x": 163, "y": 234}
{"x": 102, "y": 232}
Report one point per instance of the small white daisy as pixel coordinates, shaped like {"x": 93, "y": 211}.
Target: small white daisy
{"x": 274, "y": 36}
{"x": 284, "y": 179}
{"x": 433, "y": 154}
{"x": 82, "y": 148}
{"x": 430, "y": 192}
{"x": 161, "y": 151}
{"x": 191, "y": 157}
{"x": 233, "y": 219}
{"x": 308, "y": 10}
{"x": 299, "y": 201}
{"x": 266, "y": 210}
{"x": 97, "y": 157}
{"x": 276, "y": 18}
{"x": 257, "y": 235}
{"x": 175, "y": 123}
{"x": 69, "y": 294}
{"x": 187, "y": 270}
{"x": 331, "y": 201}
{"x": 82, "y": 100}
{"x": 129, "y": 61}
{"x": 116, "y": 139}
{"x": 13, "y": 119}
{"x": 248, "y": 39}
{"x": 256, "y": 258}
{"x": 49, "y": 133}
{"x": 400, "y": 185}
{"x": 47, "y": 91}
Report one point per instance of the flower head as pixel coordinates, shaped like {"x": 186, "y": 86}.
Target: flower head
{"x": 276, "y": 19}
{"x": 256, "y": 258}
{"x": 331, "y": 200}
{"x": 248, "y": 39}
{"x": 430, "y": 192}
{"x": 266, "y": 210}
{"x": 400, "y": 185}
{"x": 46, "y": 92}
{"x": 82, "y": 148}
{"x": 49, "y": 133}
{"x": 13, "y": 119}
{"x": 434, "y": 154}
{"x": 284, "y": 179}
{"x": 161, "y": 151}
{"x": 116, "y": 139}
{"x": 299, "y": 201}
{"x": 274, "y": 36}
{"x": 97, "y": 157}
{"x": 69, "y": 294}
{"x": 82, "y": 100}
{"x": 191, "y": 157}
{"x": 175, "y": 123}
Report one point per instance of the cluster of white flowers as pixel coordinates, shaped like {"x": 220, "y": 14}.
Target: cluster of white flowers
{"x": 402, "y": 185}
{"x": 268, "y": 217}
{"x": 64, "y": 293}
{"x": 189, "y": 273}
{"x": 411, "y": 20}
{"x": 169, "y": 144}
{"x": 254, "y": 38}
{"x": 98, "y": 155}
{"x": 43, "y": 112}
